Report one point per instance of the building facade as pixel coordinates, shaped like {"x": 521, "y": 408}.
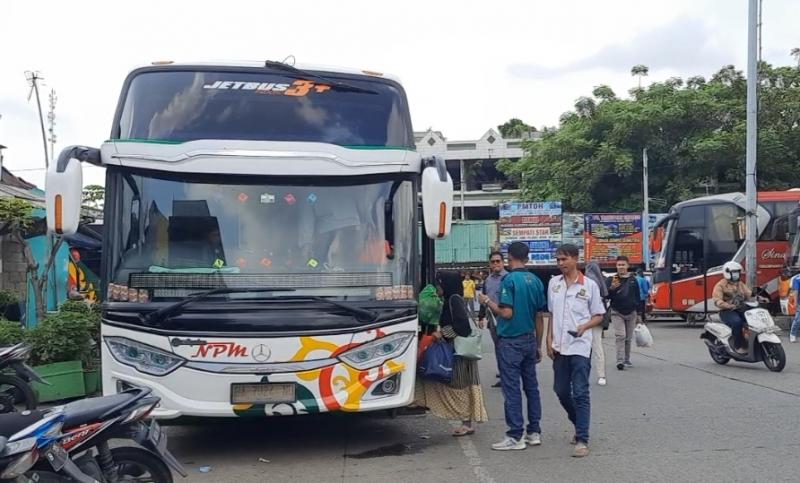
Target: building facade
{"x": 472, "y": 164}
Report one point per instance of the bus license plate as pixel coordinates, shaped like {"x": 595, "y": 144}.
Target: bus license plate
{"x": 263, "y": 393}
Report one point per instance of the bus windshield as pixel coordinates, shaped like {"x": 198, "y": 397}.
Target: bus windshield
{"x": 259, "y": 105}
{"x": 176, "y": 236}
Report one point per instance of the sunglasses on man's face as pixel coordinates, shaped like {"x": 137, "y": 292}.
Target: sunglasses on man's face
{"x": 496, "y": 261}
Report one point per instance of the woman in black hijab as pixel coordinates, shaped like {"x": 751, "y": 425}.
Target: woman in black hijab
{"x": 462, "y": 398}
{"x": 448, "y": 285}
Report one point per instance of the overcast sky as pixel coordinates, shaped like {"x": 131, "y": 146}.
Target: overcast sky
{"x": 466, "y": 66}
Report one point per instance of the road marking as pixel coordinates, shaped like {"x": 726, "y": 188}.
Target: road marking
{"x": 473, "y": 458}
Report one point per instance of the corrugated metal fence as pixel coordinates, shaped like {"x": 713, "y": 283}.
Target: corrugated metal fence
{"x": 469, "y": 241}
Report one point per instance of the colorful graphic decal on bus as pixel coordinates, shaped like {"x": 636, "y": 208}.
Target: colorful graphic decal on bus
{"x": 298, "y": 88}
{"x": 338, "y": 387}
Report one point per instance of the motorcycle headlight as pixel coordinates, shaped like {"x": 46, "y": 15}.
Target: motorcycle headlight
{"x": 376, "y": 352}
{"x": 142, "y": 357}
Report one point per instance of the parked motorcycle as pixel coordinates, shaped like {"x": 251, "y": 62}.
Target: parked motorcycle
{"x": 75, "y": 446}
{"x": 91, "y": 423}
{"x": 34, "y": 441}
{"x": 15, "y": 390}
{"x": 763, "y": 345}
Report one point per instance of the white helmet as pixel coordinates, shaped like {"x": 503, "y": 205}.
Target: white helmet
{"x": 730, "y": 268}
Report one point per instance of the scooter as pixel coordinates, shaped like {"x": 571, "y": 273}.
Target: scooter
{"x": 763, "y": 344}
{"x": 71, "y": 443}
{"x": 91, "y": 423}
{"x": 17, "y": 393}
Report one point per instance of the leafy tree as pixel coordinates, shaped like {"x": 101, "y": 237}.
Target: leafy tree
{"x": 16, "y": 216}
{"x": 93, "y": 196}
{"x": 514, "y": 128}
{"x": 694, "y": 133}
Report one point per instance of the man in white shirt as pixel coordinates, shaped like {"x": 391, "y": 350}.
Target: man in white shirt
{"x": 576, "y": 305}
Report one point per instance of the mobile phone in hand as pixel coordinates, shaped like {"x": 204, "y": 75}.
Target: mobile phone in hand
{"x": 573, "y": 333}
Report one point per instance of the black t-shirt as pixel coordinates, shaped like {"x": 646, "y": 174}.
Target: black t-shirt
{"x": 625, "y": 299}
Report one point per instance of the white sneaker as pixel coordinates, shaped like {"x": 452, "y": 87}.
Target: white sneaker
{"x": 533, "y": 439}
{"x": 601, "y": 381}
{"x": 792, "y": 338}
{"x": 510, "y": 444}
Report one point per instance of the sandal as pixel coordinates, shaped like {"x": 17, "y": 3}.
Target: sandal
{"x": 463, "y": 431}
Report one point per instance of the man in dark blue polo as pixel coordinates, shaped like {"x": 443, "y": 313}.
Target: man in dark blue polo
{"x": 518, "y": 326}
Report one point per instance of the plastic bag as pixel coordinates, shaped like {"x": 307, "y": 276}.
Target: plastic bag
{"x": 437, "y": 362}
{"x": 643, "y": 336}
{"x": 430, "y": 306}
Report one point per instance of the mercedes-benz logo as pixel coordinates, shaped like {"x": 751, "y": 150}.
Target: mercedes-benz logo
{"x": 261, "y": 353}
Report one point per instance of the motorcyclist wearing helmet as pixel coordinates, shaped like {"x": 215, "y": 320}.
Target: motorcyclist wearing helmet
{"x": 729, "y": 293}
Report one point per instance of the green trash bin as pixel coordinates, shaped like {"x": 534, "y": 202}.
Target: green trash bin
{"x": 66, "y": 379}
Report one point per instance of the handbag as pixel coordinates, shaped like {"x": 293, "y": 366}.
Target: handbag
{"x": 606, "y": 317}
{"x": 468, "y": 347}
{"x": 437, "y": 362}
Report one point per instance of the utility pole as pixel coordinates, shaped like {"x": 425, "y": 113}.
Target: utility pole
{"x": 51, "y": 118}
{"x": 645, "y": 213}
{"x": 752, "y": 138}
{"x": 34, "y": 77}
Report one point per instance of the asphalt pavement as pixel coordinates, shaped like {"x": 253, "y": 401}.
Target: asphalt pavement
{"x": 675, "y": 416}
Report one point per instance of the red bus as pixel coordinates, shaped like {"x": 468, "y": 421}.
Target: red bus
{"x": 698, "y": 236}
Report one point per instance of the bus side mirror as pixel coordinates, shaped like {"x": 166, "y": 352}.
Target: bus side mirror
{"x": 64, "y": 189}
{"x": 437, "y": 198}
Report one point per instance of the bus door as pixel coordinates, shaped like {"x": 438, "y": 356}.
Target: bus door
{"x": 688, "y": 269}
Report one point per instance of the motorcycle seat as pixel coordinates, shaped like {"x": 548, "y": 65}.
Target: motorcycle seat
{"x": 12, "y": 423}
{"x": 92, "y": 409}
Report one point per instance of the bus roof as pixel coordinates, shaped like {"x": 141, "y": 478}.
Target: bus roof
{"x": 739, "y": 198}
{"x": 258, "y": 64}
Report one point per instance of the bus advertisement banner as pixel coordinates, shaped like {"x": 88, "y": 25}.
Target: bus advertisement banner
{"x": 536, "y": 208}
{"x": 572, "y": 231}
{"x": 609, "y": 235}
{"x": 538, "y": 224}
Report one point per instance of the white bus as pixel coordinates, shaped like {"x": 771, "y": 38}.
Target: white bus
{"x": 261, "y": 254}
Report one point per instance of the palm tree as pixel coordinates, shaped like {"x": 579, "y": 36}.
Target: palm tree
{"x": 640, "y": 70}
{"x": 796, "y": 54}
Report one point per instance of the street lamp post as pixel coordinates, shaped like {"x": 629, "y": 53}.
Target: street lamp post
{"x": 752, "y": 125}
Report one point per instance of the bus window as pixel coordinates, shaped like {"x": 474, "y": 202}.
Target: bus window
{"x": 692, "y": 217}
{"x": 687, "y": 257}
{"x": 721, "y": 233}
{"x": 778, "y": 227}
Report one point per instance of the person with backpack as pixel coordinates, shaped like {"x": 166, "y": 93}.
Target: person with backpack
{"x": 623, "y": 292}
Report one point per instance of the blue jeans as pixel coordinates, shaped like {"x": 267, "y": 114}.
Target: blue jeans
{"x": 571, "y": 384}
{"x": 734, "y": 320}
{"x": 795, "y": 324}
{"x": 518, "y": 363}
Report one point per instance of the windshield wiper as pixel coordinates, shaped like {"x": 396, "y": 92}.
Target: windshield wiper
{"x": 363, "y": 315}
{"x": 159, "y": 315}
{"x": 339, "y": 86}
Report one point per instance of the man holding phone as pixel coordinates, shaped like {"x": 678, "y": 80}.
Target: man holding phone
{"x": 576, "y": 305}
{"x": 623, "y": 290}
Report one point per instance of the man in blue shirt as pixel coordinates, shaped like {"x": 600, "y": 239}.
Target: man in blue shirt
{"x": 491, "y": 287}
{"x": 518, "y": 326}
{"x": 795, "y": 292}
{"x": 644, "y": 293}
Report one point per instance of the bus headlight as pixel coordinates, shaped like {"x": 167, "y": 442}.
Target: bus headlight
{"x": 144, "y": 358}
{"x": 376, "y": 352}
